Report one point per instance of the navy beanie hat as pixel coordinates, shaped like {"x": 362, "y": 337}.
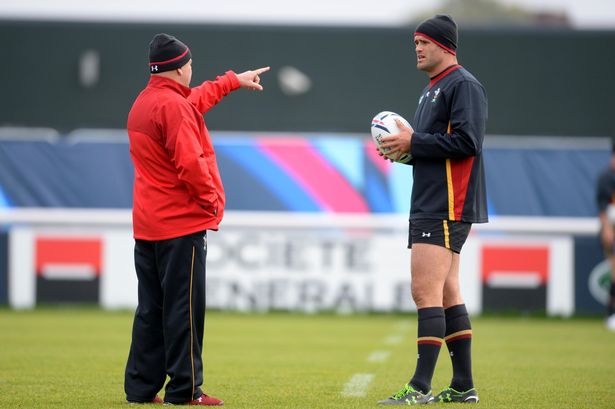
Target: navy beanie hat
{"x": 442, "y": 30}
{"x": 167, "y": 53}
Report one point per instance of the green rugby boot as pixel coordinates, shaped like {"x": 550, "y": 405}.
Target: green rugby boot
{"x": 450, "y": 395}
{"x": 408, "y": 396}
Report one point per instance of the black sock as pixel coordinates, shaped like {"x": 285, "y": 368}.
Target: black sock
{"x": 458, "y": 339}
{"x": 429, "y": 341}
{"x": 611, "y": 304}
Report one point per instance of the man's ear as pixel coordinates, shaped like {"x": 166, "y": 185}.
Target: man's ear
{"x": 179, "y": 71}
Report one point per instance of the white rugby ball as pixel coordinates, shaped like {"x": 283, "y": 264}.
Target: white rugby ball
{"x": 384, "y": 124}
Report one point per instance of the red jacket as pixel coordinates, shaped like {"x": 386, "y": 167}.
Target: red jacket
{"x": 177, "y": 186}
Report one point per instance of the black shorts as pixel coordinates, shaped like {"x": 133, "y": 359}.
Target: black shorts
{"x": 445, "y": 233}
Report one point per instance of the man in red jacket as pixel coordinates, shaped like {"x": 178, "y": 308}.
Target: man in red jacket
{"x": 178, "y": 196}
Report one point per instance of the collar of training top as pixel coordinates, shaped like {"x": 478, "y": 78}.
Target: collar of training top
{"x": 433, "y": 80}
{"x": 164, "y": 82}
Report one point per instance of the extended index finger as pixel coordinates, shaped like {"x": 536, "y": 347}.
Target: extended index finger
{"x": 261, "y": 70}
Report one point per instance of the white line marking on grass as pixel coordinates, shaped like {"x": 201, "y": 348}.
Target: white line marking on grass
{"x": 357, "y": 385}
{"x": 393, "y": 339}
{"x": 378, "y": 356}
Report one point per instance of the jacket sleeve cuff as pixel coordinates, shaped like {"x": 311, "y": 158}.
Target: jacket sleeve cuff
{"x": 417, "y": 144}
{"x": 233, "y": 80}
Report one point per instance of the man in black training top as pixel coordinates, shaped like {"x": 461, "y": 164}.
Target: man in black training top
{"x": 448, "y": 195}
{"x": 605, "y": 196}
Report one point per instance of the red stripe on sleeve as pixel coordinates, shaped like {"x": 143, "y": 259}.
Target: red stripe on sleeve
{"x": 461, "y": 170}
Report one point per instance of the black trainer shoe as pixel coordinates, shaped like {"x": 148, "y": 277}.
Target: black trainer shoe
{"x": 408, "y": 396}
{"x": 450, "y": 395}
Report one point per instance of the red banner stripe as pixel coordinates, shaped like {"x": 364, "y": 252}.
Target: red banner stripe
{"x": 68, "y": 250}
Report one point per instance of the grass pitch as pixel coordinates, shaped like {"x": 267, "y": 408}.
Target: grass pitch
{"x": 60, "y": 358}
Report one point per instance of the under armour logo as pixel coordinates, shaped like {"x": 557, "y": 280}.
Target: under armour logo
{"x": 426, "y": 234}
{"x": 154, "y": 68}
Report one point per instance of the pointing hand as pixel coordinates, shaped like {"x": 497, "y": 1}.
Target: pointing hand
{"x": 251, "y": 79}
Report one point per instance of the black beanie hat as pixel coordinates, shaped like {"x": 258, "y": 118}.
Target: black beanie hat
{"x": 167, "y": 53}
{"x": 440, "y": 29}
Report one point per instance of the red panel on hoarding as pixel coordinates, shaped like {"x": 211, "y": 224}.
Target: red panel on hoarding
{"x": 68, "y": 251}
{"x": 515, "y": 261}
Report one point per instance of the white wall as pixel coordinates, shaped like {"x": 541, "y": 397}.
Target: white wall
{"x": 299, "y": 262}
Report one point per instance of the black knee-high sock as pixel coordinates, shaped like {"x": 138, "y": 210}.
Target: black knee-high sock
{"x": 430, "y": 334}
{"x": 611, "y": 305}
{"x": 458, "y": 339}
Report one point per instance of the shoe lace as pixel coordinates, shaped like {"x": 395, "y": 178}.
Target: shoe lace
{"x": 403, "y": 392}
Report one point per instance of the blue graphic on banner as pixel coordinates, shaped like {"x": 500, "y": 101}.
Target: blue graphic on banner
{"x": 543, "y": 182}
{"x": 346, "y": 155}
{"x": 401, "y": 181}
{"x": 377, "y": 196}
{"x": 4, "y": 201}
{"x": 254, "y": 171}
{"x": 259, "y": 174}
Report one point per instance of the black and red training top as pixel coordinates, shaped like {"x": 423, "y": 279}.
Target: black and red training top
{"x": 447, "y": 149}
